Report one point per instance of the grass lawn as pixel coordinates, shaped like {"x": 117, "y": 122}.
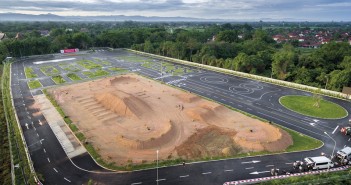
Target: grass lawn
{"x": 88, "y": 64}
{"x": 73, "y": 76}
{"x": 69, "y": 67}
{"x": 103, "y": 62}
{"x": 29, "y": 72}
{"x": 34, "y": 84}
{"x": 58, "y": 79}
{"x": 49, "y": 70}
{"x": 302, "y": 142}
{"x": 97, "y": 73}
{"x": 304, "y": 105}
{"x": 116, "y": 69}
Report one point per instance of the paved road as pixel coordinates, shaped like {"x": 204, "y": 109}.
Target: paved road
{"x": 257, "y": 98}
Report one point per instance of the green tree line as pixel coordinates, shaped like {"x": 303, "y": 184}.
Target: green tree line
{"x": 239, "y": 47}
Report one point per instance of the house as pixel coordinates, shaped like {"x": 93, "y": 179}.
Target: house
{"x": 44, "y": 33}
{"x": 279, "y": 38}
{"x": 69, "y": 30}
{"x": 241, "y": 36}
{"x": 301, "y": 39}
{"x": 325, "y": 41}
{"x": 19, "y": 35}
{"x": 2, "y": 36}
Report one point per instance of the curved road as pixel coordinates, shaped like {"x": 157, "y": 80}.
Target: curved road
{"x": 257, "y": 98}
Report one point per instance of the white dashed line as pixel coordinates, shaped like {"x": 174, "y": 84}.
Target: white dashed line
{"x": 229, "y": 170}
{"x": 269, "y": 165}
{"x": 335, "y": 129}
{"x": 205, "y": 173}
{"x": 55, "y": 170}
{"x": 249, "y": 168}
{"x": 49, "y": 160}
{"x": 160, "y": 180}
{"x": 37, "y": 134}
{"x": 183, "y": 176}
{"x": 41, "y": 141}
{"x": 66, "y": 179}
{"x": 44, "y": 150}
{"x": 136, "y": 183}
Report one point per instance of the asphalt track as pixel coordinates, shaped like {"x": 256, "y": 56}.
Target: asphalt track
{"x": 257, "y": 98}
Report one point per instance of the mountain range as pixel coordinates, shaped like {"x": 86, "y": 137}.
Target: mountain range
{"x": 119, "y": 18}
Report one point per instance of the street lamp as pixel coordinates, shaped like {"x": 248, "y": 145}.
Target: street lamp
{"x": 157, "y": 168}
{"x": 326, "y": 82}
{"x": 334, "y": 144}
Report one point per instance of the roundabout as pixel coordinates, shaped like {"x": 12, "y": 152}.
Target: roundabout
{"x": 306, "y": 105}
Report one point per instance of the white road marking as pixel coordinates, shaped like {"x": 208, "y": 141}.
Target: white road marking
{"x": 183, "y": 176}
{"x": 135, "y": 183}
{"x": 37, "y": 134}
{"x": 249, "y": 168}
{"x": 49, "y": 160}
{"x": 256, "y": 172}
{"x": 44, "y": 150}
{"x": 349, "y": 139}
{"x": 229, "y": 170}
{"x": 41, "y": 141}
{"x": 205, "y": 173}
{"x": 269, "y": 165}
{"x": 249, "y": 162}
{"x": 335, "y": 129}
{"x": 66, "y": 179}
{"x": 160, "y": 180}
{"x": 55, "y": 170}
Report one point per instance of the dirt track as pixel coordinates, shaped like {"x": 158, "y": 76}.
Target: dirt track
{"x": 127, "y": 118}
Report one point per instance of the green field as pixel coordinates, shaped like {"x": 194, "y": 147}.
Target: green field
{"x": 116, "y": 69}
{"x": 49, "y": 70}
{"x": 304, "y": 105}
{"x": 88, "y": 64}
{"x": 69, "y": 67}
{"x": 103, "y": 62}
{"x": 97, "y": 73}
{"x": 29, "y": 72}
{"x": 73, "y": 77}
{"x": 58, "y": 79}
{"x": 34, "y": 84}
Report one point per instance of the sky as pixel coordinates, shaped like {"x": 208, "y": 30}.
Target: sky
{"x": 308, "y": 10}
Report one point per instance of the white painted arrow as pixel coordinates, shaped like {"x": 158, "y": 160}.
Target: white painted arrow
{"x": 249, "y": 162}
{"x": 312, "y": 124}
{"x": 27, "y": 125}
{"x": 316, "y": 120}
{"x": 256, "y": 172}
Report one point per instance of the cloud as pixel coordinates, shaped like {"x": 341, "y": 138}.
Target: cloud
{"x": 224, "y": 9}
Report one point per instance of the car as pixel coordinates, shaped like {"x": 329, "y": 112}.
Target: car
{"x": 346, "y": 130}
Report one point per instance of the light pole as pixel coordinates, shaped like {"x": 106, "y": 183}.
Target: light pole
{"x": 326, "y": 82}
{"x": 334, "y": 144}
{"x": 157, "y": 168}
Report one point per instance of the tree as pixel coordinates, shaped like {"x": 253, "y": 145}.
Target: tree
{"x": 81, "y": 40}
{"x": 227, "y": 36}
{"x": 317, "y": 98}
{"x": 282, "y": 60}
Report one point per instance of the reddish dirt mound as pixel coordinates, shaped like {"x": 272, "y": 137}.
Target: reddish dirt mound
{"x": 187, "y": 97}
{"x": 123, "y": 104}
{"x": 208, "y": 142}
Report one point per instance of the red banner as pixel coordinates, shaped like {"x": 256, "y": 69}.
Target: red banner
{"x": 70, "y": 50}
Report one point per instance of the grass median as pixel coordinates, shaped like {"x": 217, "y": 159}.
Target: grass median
{"x": 34, "y": 84}
{"x": 306, "y": 105}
